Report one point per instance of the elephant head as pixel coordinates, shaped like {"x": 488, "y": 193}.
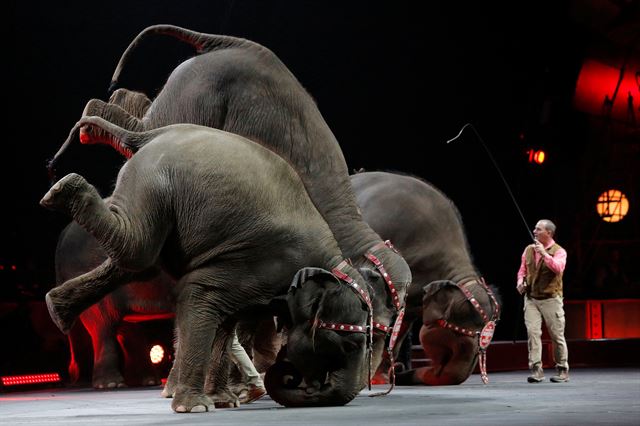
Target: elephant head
{"x": 458, "y": 321}
{"x": 325, "y": 359}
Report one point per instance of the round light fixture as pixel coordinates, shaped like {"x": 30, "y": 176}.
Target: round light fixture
{"x": 612, "y": 205}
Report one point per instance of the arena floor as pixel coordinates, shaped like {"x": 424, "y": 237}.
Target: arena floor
{"x": 592, "y": 397}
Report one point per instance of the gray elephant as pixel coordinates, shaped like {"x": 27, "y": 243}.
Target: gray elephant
{"x": 77, "y": 252}
{"x": 430, "y": 236}
{"x": 241, "y": 87}
{"x": 448, "y": 294}
{"x": 232, "y": 223}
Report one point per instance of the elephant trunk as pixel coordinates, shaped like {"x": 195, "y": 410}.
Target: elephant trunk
{"x": 200, "y": 41}
{"x": 453, "y": 357}
{"x": 286, "y": 387}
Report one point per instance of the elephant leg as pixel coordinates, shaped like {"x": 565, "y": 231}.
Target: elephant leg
{"x": 131, "y": 242}
{"x": 172, "y": 380}
{"x": 135, "y": 103}
{"x": 198, "y": 323}
{"x": 67, "y": 301}
{"x": 135, "y": 346}
{"x": 106, "y": 356}
{"x": 115, "y": 113}
{"x": 132, "y": 239}
{"x": 266, "y": 344}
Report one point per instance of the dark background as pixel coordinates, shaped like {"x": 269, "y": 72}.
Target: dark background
{"x": 394, "y": 81}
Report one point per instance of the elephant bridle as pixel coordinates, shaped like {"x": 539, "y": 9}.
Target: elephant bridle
{"x": 343, "y": 277}
{"x": 486, "y": 333}
{"x": 399, "y": 307}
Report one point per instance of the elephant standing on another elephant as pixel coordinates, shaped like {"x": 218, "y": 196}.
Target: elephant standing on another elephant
{"x": 241, "y": 87}
{"x": 232, "y": 222}
{"x": 427, "y": 229}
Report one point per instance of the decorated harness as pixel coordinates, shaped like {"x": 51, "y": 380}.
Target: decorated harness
{"x": 486, "y": 333}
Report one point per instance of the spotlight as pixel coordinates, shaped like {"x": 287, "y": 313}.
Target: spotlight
{"x": 156, "y": 354}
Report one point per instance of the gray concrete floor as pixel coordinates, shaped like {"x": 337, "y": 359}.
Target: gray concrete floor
{"x": 592, "y": 397}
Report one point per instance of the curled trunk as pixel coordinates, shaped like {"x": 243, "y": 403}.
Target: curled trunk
{"x": 452, "y": 359}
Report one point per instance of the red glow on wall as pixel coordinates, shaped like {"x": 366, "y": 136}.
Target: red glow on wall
{"x": 597, "y": 82}
{"x": 30, "y": 379}
{"x": 594, "y": 319}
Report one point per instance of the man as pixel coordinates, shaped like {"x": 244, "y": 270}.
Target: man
{"x": 540, "y": 280}
{"x": 255, "y": 386}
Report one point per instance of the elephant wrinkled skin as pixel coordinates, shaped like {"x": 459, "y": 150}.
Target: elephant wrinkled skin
{"x": 241, "y": 87}
{"x": 232, "y": 223}
{"x": 428, "y": 231}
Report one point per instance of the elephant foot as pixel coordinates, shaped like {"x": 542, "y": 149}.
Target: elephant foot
{"x": 61, "y": 194}
{"x": 225, "y": 399}
{"x": 166, "y": 393}
{"x": 106, "y": 380}
{"x": 58, "y": 311}
{"x": 190, "y": 403}
{"x": 109, "y": 384}
{"x": 169, "y": 389}
{"x": 151, "y": 381}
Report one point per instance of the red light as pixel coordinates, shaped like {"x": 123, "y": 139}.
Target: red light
{"x": 30, "y": 379}
{"x": 13, "y": 267}
{"x": 597, "y": 81}
{"x": 537, "y": 156}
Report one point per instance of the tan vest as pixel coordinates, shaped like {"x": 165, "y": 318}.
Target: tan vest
{"x": 542, "y": 282}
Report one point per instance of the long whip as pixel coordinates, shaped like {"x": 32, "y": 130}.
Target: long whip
{"x": 516, "y": 323}
{"x": 499, "y": 172}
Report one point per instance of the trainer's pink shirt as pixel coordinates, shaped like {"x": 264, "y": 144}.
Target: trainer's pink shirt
{"x": 556, "y": 263}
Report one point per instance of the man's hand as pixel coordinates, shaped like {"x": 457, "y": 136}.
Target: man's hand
{"x": 521, "y": 287}
{"x": 539, "y": 248}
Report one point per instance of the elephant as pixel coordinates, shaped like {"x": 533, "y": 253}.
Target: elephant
{"x": 242, "y": 87}
{"x": 431, "y": 219}
{"x": 77, "y": 252}
{"x": 231, "y": 222}
{"x": 428, "y": 230}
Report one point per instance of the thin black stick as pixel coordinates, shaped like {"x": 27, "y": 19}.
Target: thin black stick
{"x": 499, "y": 172}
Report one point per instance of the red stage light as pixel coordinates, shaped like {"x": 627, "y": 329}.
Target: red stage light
{"x": 30, "y": 379}
{"x": 537, "y": 156}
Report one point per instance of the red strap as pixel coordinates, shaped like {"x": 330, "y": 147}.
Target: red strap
{"x": 341, "y": 327}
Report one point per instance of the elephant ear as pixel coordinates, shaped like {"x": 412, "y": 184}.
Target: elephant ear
{"x": 303, "y": 299}
{"x": 305, "y": 274}
{"x": 373, "y": 278}
{"x": 436, "y": 303}
{"x": 377, "y": 286}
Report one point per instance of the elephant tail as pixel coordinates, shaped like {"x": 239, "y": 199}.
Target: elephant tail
{"x": 202, "y": 43}
{"x": 51, "y": 164}
{"x": 97, "y": 130}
